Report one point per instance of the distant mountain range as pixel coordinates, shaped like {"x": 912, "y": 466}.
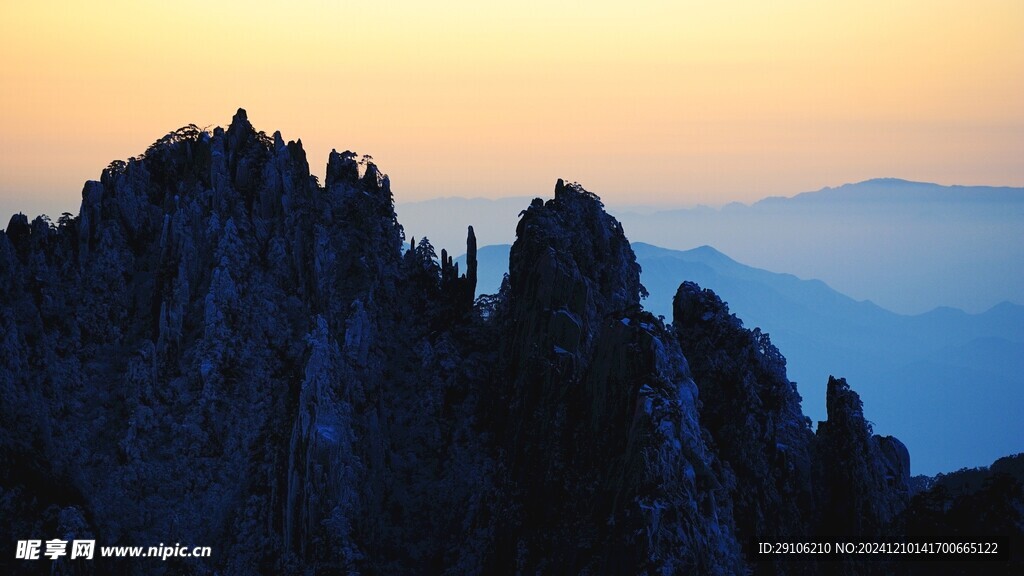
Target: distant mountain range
{"x": 908, "y": 246}
{"x": 897, "y": 190}
{"x": 962, "y": 372}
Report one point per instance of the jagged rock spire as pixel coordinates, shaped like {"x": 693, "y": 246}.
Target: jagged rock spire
{"x": 471, "y": 262}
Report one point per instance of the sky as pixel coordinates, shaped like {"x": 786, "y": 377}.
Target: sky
{"x": 667, "y": 103}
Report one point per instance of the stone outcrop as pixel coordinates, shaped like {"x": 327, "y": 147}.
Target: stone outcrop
{"x": 752, "y": 412}
{"x": 864, "y": 478}
{"x": 608, "y": 468}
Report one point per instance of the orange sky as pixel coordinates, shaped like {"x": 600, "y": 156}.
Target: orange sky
{"x": 642, "y": 102}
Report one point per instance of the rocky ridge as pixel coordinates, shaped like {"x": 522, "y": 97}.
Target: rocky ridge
{"x": 220, "y": 351}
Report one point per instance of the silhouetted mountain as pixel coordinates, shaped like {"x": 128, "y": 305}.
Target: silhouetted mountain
{"x": 894, "y": 357}
{"x": 219, "y": 351}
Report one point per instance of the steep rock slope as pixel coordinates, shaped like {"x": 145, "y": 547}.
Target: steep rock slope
{"x": 608, "y": 465}
{"x": 865, "y": 477}
{"x": 752, "y": 412}
{"x": 219, "y": 351}
{"x": 787, "y": 484}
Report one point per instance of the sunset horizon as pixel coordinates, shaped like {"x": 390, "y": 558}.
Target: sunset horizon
{"x": 659, "y": 104}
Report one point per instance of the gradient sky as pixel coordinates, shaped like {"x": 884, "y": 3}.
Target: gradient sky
{"x": 674, "y": 103}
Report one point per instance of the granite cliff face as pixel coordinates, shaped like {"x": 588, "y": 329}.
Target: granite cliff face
{"x": 752, "y": 413}
{"x": 220, "y": 351}
{"x": 608, "y": 466}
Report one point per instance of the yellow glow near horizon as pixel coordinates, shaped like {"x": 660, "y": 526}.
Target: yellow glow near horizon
{"x": 649, "y": 102}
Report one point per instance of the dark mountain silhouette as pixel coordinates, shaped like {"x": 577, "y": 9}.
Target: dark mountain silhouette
{"x": 894, "y": 357}
{"x": 219, "y": 351}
